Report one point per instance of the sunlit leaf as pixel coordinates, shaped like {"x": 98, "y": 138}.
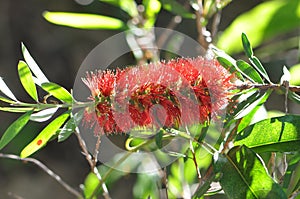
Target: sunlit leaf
{"x": 128, "y": 6}
{"x": 70, "y": 126}
{"x": 265, "y": 21}
{"x": 259, "y": 67}
{"x": 83, "y": 21}
{"x": 146, "y": 185}
{"x": 27, "y": 80}
{"x": 247, "y": 46}
{"x": 274, "y": 134}
{"x": 248, "y": 113}
{"x": 294, "y": 96}
{"x": 43, "y": 115}
{"x": 245, "y": 176}
{"x": 16, "y": 109}
{"x": 4, "y": 99}
{"x": 249, "y": 72}
{"x": 58, "y": 92}
{"x": 176, "y": 8}
{"x": 295, "y": 77}
{"x": 91, "y": 182}
{"x": 6, "y": 91}
{"x": 152, "y": 8}
{"x": 14, "y": 129}
{"x": 292, "y": 175}
{"x": 40, "y": 77}
{"x": 44, "y": 136}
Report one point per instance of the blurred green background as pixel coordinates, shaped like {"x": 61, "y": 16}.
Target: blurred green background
{"x": 60, "y": 51}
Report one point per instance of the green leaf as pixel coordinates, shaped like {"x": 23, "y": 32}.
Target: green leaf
{"x": 158, "y": 139}
{"x": 16, "y": 109}
{"x": 45, "y": 135}
{"x": 259, "y": 67}
{"x": 264, "y": 22}
{"x": 146, "y": 185}
{"x": 43, "y": 115}
{"x": 128, "y": 6}
{"x": 83, "y": 21}
{"x": 253, "y": 108}
{"x": 152, "y": 8}
{"x": 27, "y": 80}
{"x": 4, "y": 99}
{"x": 14, "y": 129}
{"x": 41, "y": 78}
{"x": 247, "y": 46}
{"x": 249, "y": 72}
{"x": 58, "y": 92}
{"x": 70, "y": 126}
{"x": 230, "y": 67}
{"x": 244, "y": 176}
{"x": 6, "y": 91}
{"x": 295, "y": 77}
{"x": 292, "y": 174}
{"x": 274, "y": 134}
{"x": 294, "y": 96}
{"x": 176, "y": 8}
{"x": 91, "y": 182}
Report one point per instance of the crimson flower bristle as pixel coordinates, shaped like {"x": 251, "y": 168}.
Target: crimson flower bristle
{"x": 179, "y": 92}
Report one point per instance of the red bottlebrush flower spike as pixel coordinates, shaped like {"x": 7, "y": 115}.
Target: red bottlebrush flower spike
{"x": 165, "y": 94}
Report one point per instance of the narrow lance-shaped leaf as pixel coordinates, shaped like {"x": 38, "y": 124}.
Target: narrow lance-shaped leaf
{"x": 33, "y": 65}
{"x": 14, "y": 129}
{"x": 58, "y": 92}
{"x": 176, "y": 8}
{"x": 253, "y": 108}
{"x": 247, "y": 46}
{"x": 5, "y": 99}
{"x": 229, "y": 66}
{"x": 254, "y": 60}
{"x": 249, "y": 72}
{"x": 5, "y": 90}
{"x": 83, "y": 20}
{"x": 128, "y": 6}
{"x": 45, "y": 135}
{"x": 16, "y": 109}
{"x": 70, "y": 126}
{"x": 245, "y": 176}
{"x": 43, "y": 115}
{"x": 27, "y": 80}
{"x": 274, "y": 134}
{"x": 259, "y": 67}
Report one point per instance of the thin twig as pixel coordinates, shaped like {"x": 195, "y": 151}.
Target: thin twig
{"x": 90, "y": 160}
{"x": 96, "y": 151}
{"x": 194, "y": 155}
{"x": 165, "y": 35}
{"x": 215, "y": 24}
{"x": 45, "y": 169}
{"x": 267, "y": 86}
{"x": 200, "y": 29}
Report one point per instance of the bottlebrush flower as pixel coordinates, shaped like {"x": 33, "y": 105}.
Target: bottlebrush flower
{"x": 165, "y": 94}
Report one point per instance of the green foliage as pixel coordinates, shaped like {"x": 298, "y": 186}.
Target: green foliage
{"x": 295, "y": 71}
{"x": 265, "y": 21}
{"x": 83, "y": 20}
{"x": 58, "y": 92}
{"x": 176, "y": 8}
{"x": 273, "y": 134}
{"x": 245, "y": 176}
{"x": 27, "y": 80}
{"x": 14, "y": 129}
{"x": 45, "y": 135}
